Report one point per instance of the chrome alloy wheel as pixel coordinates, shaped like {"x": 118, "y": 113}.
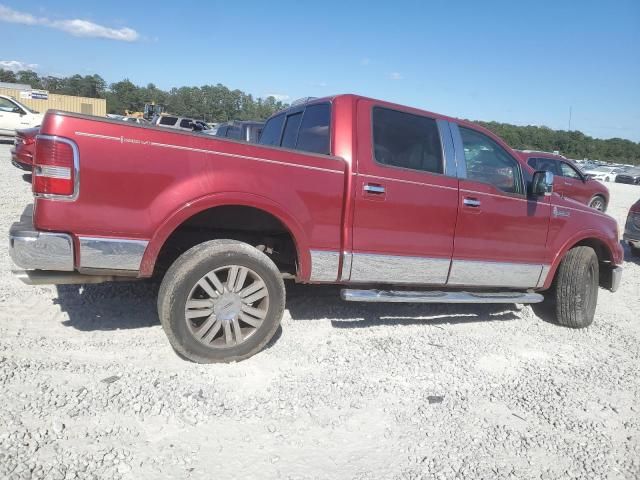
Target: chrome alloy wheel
{"x": 598, "y": 204}
{"x": 226, "y": 306}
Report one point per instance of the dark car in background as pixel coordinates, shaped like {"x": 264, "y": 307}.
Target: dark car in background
{"x": 571, "y": 181}
{"x": 631, "y": 176}
{"x": 247, "y": 131}
{"x": 632, "y": 229}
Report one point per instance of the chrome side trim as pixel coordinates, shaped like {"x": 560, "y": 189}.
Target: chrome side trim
{"x": 209, "y": 152}
{"x": 76, "y": 170}
{"x": 401, "y": 296}
{"x": 324, "y": 265}
{"x": 347, "y": 259}
{"x": 111, "y": 253}
{"x": 369, "y": 267}
{"x": 48, "y": 277}
{"x": 461, "y": 163}
{"x": 543, "y": 275}
{"x": 494, "y": 274}
{"x": 447, "y": 148}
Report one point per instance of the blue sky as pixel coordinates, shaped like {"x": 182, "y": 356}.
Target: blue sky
{"x": 510, "y": 61}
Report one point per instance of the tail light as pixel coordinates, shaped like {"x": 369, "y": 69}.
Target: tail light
{"x": 55, "y": 167}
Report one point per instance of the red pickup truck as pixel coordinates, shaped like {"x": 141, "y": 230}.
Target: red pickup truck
{"x": 396, "y": 204}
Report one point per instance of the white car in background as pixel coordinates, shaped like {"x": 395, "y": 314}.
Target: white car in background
{"x": 15, "y": 116}
{"x": 604, "y": 174}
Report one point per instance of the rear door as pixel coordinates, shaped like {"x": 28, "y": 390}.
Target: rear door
{"x": 500, "y": 232}
{"x": 405, "y": 197}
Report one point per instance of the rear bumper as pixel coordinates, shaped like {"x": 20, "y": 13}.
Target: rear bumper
{"x": 34, "y": 250}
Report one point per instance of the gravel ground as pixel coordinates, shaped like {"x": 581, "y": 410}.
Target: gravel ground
{"x": 92, "y": 389}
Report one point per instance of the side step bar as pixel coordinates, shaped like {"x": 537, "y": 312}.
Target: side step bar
{"x": 400, "y": 296}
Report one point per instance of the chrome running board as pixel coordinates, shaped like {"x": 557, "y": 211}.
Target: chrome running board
{"x": 400, "y": 296}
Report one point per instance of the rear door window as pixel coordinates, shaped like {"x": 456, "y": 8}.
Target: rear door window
{"x": 546, "y": 164}
{"x": 272, "y": 131}
{"x": 186, "y": 123}
{"x": 313, "y": 135}
{"x": 406, "y": 140}
{"x": 234, "y": 133}
{"x": 170, "y": 121}
{"x": 290, "y": 134}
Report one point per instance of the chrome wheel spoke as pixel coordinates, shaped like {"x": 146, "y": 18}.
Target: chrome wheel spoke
{"x": 198, "y": 313}
{"x": 212, "y": 332}
{"x": 254, "y": 287}
{"x": 231, "y": 279}
{"x": 260, "y": 314}
{"x": 240, "y": 279}
{"x": 237, "y": 331}
{"x": 254, "y": 322}
{"x": 198, "y": 303}
{"x": 204, "y": 328}
{"x": 256, "y": 296}
{"x": 228, "y": 335}
{"x": 215, "y": 281}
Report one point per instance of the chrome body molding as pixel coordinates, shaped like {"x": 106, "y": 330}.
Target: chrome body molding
{"x": 324, "y": 265}
{"x": 34, "y": 250}
{"x": 369, "y": 267}
{"x": 494, "y": 274}
{"x": 543, "y": 275}
{"x": 111, "y": 253}
{"x": 347, "y": 258}
{"x": 403, "y": 296}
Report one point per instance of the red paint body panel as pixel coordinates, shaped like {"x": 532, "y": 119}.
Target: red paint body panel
{"x": 141, "y": 182}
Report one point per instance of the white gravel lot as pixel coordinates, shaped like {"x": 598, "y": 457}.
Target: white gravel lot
{"x": 92, "y": 389}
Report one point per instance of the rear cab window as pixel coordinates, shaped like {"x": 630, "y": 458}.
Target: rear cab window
{"x": 307, "y": 129}
{"x": 168, "y": 121}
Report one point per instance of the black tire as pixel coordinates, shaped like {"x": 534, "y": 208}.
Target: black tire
{"x": 599, "y": 203}
{"x": 180, "y": 280}
{"x": 574, "y": 293}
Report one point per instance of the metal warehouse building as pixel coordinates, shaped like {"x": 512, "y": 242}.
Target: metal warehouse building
{"x": 42, "y": 100}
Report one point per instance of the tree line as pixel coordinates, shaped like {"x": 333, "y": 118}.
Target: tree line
{"x": 217, "y": 103}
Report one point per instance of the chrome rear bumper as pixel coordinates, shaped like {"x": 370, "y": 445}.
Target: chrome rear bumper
{"x": 34, "y": 250}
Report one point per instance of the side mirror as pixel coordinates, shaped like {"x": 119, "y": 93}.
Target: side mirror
{"x": 542, "y": 183}
{"x": 18, "y": 110}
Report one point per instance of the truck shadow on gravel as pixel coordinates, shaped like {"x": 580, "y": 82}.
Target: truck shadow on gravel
{"x": 126, "y": 305}
{"x": 322, "y": 302}
{"x": 109, "y": 306}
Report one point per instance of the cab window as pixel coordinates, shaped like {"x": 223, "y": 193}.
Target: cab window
{"x": 544, "y": 164}
{"x": 488, "y": 162}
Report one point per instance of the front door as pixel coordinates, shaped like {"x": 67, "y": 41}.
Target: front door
{"x": 405, "y": 201}
{"x": 572, "y": 184}
{"x": 500, "y": 233}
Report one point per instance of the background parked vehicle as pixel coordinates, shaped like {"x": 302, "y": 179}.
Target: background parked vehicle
{"x": 631, "y": 175}
{"x": 24, "y": 146}
{"x": 632, "y": 229}
{"x": 248, "y": 131}
{"x": 571, "y": 182}
{"x": 180, "y": 123}
{"x": 604, "y": 173}
{"x": 14, "y": 116}
{"x": 137, "y": 120}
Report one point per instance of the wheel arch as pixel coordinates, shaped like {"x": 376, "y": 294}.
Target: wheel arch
{"x": 192, "y": 209}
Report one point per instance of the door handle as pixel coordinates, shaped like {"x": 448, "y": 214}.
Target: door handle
{"x": 471, "y": 202}
{"x": 373, "y": 188}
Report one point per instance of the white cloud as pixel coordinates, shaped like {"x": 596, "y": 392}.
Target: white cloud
{"x": 278, "y": 96}
{"x": 395, "y": 76}
{"x": 76, "y": 27}
{"x": 16, "y": 66}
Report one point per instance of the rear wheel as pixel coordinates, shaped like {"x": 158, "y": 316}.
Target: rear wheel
{"x": 598, "y": 203}
{"x": 221, "y": 301}
{"x": 574, "y": 293}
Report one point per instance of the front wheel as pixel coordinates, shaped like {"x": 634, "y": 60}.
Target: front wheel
{"x": 598, "y": 203}
{"x": 221, "y": 301}
{"x": 575, "y": 289}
